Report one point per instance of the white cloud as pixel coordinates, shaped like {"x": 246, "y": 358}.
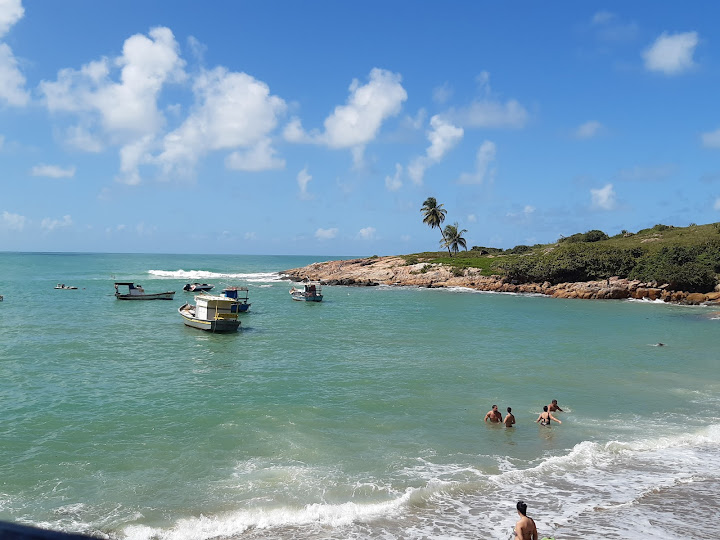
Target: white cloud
{"x": 588, "y": 130}
{"x": 487, "y": 111}
{"x": 472, "y": 218}
{"x": 716, "y": 206}
{"x": 711, "y": 139}
{"x": 326, "y": 234}
{"x": 125, "y": 112}
{"x": 82, "y": 139}
{"x": 671, "y": 54}
{"x": 52, "y": 224}
{"x": 233, "y": 111}
{"x": 393, "y": 183}
{"x": 12, "y": 81}
{"x": 2, "y": 141}
{"x": 368, "y": 233}
{"x": 11, "y": 11}
{"x": 13, "y": 222}
{"x": 260, "y": 157}
{"x": 250, "y": 236}
{"x": 603, "y": 198}
{"x": 483, "y": 162}
{"x": 303, "y": 178}
{"x": 52, "y": 171}
{"x": 443, "y": 136}
{"x": 356, "y": 123}
{"x": 442, "y": 94}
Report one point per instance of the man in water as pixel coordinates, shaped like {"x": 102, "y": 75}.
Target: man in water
{"x": 509, "y": 418}
{"x": 494, "y": 415}
{"x": 525, "y": 527}
{"x": 554, "y": 406}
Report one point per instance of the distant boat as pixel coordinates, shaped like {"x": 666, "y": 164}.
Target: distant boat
{"x": 197, "y": 287}
{"x": 136, "y": 292}
{"x": 311, "y": 292}
{"x": 212, "y": 313}
{"x": 240, "y": 294}
{"x": 63, "y": 286}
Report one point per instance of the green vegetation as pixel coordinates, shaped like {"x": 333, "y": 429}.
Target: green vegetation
{"x": 686, "y": 258}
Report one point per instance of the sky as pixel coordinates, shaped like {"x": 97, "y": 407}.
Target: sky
{"x": 320, "y": 127}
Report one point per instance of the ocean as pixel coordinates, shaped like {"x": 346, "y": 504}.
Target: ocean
{"x": 358, "y": 417}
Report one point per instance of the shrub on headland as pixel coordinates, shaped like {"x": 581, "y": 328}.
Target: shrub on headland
{"x": 687, "y": 268}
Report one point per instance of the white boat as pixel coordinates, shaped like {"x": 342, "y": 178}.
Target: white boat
{"x": 136, "y": 292}
{"x": 310, "y": 292}
{"x": 212, "y": 313}
{"x": 63, "y": 286}
{"x": 197, "y": 287}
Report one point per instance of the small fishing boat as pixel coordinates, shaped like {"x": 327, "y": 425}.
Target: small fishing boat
{"x": 310, "y": 292}
{"x": 212, "y": 313}
{"x": 63, "y": 286}
{"x": 197, "y": 287}
{"x": 240, "y": 294}
{"x": 136, "y": 292}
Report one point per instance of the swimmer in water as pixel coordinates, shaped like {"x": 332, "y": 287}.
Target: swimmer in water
{"x": 545, "y": 417}
{"x": 509, "y": 418}
{"x": 554, "y": 406}
{"x": 494, "y": 415}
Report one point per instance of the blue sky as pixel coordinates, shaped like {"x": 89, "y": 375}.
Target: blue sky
{"x": 321, "y": 127}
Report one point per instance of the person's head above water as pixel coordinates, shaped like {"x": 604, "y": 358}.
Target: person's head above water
{"x": 509, "y": 409}
{"x": 521, "y": 507}
{"x": 545, "y": 408}
{"x": 554, "y": 401}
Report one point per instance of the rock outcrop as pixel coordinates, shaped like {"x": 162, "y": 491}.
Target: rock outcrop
{"x": 395, "y": 271}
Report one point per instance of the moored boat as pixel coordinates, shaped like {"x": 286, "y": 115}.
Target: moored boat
{"x": 197, "y": 287}
{"x": 310, "y": 292}
{"x": 63, "y": 286}
{"x": 136, "y": 292}
{"x": 240, "y": 294}
{"x": 212, "y": 313}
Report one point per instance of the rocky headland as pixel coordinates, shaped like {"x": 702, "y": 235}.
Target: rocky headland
{"x": 395, "y": 271}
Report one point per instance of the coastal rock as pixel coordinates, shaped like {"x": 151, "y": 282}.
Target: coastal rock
{"x": 375, "y": 270}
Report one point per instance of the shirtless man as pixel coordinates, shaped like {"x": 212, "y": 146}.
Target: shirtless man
{"x": 525, "y": 527}
{"x": 509, "y": 418}
{"x": 554, "y": 406}
{"x": 494, "y": 415}
{"x": 545, "y": 417}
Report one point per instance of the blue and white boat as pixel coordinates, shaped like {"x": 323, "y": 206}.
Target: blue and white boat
{"x": 240, "y": 294}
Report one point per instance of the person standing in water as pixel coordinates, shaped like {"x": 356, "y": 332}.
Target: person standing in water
{"x": 554, "y": 406}
{"x": 509, "y": 418}
{"x": 494, "y": 415}
{"x": 546, "y": 416}
{"x": 525, "y": 527}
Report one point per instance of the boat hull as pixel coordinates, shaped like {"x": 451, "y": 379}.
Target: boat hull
{"x": 154, "y": 296}
{"x": 302, "y": 297}
{"x": 216, "y": 326}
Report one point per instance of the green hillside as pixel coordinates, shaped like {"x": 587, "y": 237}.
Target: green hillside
{"x": 686, "y": 258}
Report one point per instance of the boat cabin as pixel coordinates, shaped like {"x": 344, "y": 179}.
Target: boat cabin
{"x": 133, "y": 290}
{"x": 210, "y": 307}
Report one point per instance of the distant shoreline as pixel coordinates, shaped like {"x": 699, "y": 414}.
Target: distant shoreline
{"x": 393, "y": 270}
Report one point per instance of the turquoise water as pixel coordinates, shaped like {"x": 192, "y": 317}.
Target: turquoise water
{"x": 358, "y": 417}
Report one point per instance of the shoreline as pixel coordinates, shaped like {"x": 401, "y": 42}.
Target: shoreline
{"x": 393, "y": 270}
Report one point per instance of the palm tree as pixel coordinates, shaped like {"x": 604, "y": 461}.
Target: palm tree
{"x": 434, "y": 215}
{"x": 453, "y": 237}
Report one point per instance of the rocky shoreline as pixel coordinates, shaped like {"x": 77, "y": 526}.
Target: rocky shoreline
{"x": 394, "y": 270}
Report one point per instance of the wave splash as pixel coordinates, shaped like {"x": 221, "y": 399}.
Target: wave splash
{"x": 194, "y": 275}
{"x": 581, "y": 489}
